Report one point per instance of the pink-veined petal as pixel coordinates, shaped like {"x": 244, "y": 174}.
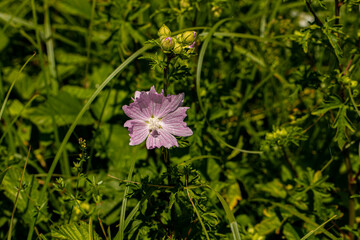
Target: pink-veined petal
{"x": 174, "y": 123}
{"x": 159, "y": 138}
{"x": 138, "y": 131}
{"x": 178, "y": 129}
{"x": 156, "y": 101}
{"x": 137, "y": 94}
{"x": 134, "y": 112}
{"x": 177, "y": 116}
{"x": 170, "y": 104}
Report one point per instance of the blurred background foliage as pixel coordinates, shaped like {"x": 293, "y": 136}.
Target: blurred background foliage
{"x": 277, "y": 76}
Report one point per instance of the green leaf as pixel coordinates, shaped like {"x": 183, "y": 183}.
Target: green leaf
{"x": 79, "y": 7}
{"x": 74, "y": 231}
{"x": 293, "y": 211}
{"x": 78, "y": 92}
{"x": 275, "y": 188}
{"x": 334, "y": 41}
{"x": 4, "y": 40}
{"x": 268, "y": 225}
{"x": 107, "y": 104}
{"x": 342, "y": 123}
{"x": 2, "y": 175}
{"x": 333, "y": 103}
{"x": 64, "y": 107}
{"x": 290, "y": 233}
{"x": 29, "y": 187}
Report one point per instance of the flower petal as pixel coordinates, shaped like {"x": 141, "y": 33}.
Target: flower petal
{"x": 159, "y": 138}
{"x": 138, "y": 131}
{"x": 170, "y": 104}
{"x": 174, "y": 123}
{"x": 178, "y": 129}
{"x": 177, "y": 116}
{"x": 140, "y": 108}
{"x": 156, "y": 101}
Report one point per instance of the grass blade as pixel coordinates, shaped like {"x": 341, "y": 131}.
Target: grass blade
{"x": 17, "y": 196}
{"x": 13, "y": 84}
{"x": 229, "y": 215}
{"x": 201, "y": 59}
{"x": 122, "y": 227}
{"x": 316, "y": 229}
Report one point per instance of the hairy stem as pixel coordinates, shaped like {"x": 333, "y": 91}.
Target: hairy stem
{"x": 351, "y": 192}
{"x": 289, "y": 163}
{"x": 317, "y": 20}
{"x": 338, "y": 4}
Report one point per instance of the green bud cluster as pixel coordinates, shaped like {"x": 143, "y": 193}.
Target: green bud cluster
{"x": 179, "y": 44}
{"x": 348, "y": 81}
{"x": 167, "y": 43}
{"x": 282, "y": 137}
{"x": 277, "y": 136}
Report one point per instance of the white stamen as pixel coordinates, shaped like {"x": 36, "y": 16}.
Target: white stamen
{"x": 154, "y": 123}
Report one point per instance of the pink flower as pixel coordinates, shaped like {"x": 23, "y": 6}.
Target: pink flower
{"x": 157, "y": 118}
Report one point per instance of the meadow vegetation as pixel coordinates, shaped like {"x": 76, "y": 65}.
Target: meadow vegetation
{"x": 179, "y": 119}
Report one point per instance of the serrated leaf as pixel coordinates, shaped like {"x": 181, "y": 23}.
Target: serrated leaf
{"x": 172, "y": 200}
{"x": 74, "y": 232}
{"x": 334, "y": 42}
{"x": 268, "y": 225}
{"x": 275, "y": 188}
{"x": 332, "y": 103}
{"x": 233, "y": 195}
{"x": 342, "y": 123}
{"x": 25, "y": 85}
{"x": 30, "y": 187}
{"x": 290, "y": 233}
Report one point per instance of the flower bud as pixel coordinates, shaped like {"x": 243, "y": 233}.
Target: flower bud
{"x": 353, "y": 84}
{"x": 355, "y": 93}
{"x": 346, "y": 80}
{"x": 167, "y": 43}
{"x": 192, "y": 45}
{"x": 164, "y": 31}
{"x": 283, "y": 132}
{"x": 184, "y": 4}
{"x": 177, "y": 48}
{"x": 188, "y": 37}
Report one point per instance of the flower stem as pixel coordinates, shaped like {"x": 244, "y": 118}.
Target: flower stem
{"x": 317, "y": 20}
{"x": 293, "y": 170}
{"x": 166, "y": 72}
{"x": 351, "y": 192}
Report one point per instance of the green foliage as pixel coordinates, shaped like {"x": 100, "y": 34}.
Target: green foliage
{"x": 74, "y": 232}
{"x": 273, "y": 93}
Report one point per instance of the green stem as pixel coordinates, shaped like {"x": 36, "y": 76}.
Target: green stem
{"x": 166, "y": 72}
{"x": 337, "y": 11}
{"x": 65, "y": 167}
{"x": 351, "y": 191}
{"x": 289, "y": 162}
{"x": 317, "y": 20}
{"x": 122, "y": 224}
{"x": 88, "y": 42}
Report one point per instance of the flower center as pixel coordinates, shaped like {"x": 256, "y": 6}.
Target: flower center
{"x": 154, "y": 123}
